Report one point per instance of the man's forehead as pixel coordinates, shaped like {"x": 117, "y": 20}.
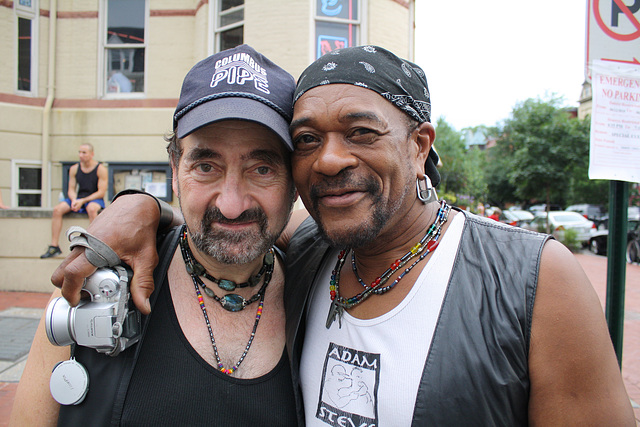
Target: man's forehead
{"x": 347, "y": 102}
{"x": 210, "y": 148}
{"x": 239, "y": 135}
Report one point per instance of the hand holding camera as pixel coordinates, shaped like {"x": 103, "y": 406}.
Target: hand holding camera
{"x": 106, "y": 321}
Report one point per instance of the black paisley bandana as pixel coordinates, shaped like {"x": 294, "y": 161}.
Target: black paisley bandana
{"x": 401, "y": 82}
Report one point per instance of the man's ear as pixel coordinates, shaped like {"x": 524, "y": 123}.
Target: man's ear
{"x": 423, "y": 136}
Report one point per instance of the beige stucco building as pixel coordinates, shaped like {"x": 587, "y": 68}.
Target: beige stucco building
{"x": 108, "y": 72}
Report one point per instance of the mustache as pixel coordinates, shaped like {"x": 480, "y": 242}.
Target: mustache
{"x": 213, "y": 214}
{"x": 345, "y": 179}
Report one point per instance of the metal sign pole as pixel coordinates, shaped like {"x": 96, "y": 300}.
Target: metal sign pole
{"x": 616, "y": 262}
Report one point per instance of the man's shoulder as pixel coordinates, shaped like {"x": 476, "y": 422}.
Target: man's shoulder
{"x": 102, "y": 169}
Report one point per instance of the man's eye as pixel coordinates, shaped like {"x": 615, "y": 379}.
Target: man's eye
{"x": 263, "y": 170}
{"x": 204, "y": 167}
{"x": 362, "y": 132}
{"x": 304, "y": 139}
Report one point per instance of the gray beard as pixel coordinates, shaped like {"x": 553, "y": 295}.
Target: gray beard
{"x": 367, "y": 232}
{"x": 232, "y": 247}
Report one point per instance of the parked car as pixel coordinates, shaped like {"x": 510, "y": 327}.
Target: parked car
{"x": 599, "y": 239}
{"x": 543, "y": 208}
{"x": 633, "y": 245}
{"x": 633, "y": 214}
{"x": 591, "y": 212}
{"x": 559, "y": 221}
{"x": 516, "y": 217}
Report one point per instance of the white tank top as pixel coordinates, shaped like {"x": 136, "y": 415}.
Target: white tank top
{"x": 367, "y": 372}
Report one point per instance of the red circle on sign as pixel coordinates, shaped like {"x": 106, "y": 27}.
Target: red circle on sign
{"x": 608, "y": 31}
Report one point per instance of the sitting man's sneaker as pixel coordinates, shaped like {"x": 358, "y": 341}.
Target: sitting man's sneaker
{"x": 51, "y": 252}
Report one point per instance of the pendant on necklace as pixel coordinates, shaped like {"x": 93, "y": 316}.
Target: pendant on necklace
{"x": 226, "y": 285}
{"x": 232, "y": 302}
{"x": 335, "y": 310}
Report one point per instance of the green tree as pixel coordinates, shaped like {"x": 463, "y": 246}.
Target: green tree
{"x": 462, "y": 170}
{"x": 543, "y": 152}
{"x": 450, "y": 147}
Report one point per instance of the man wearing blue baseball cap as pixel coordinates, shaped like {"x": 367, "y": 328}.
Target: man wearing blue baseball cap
{"x": 212, "y": 350}
{"x": 402, "y": 310}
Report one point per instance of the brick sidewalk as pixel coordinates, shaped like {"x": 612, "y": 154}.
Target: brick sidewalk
{"x": 594, "y": 266}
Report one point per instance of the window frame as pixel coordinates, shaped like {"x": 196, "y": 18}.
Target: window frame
{"x": 357, "y": 23}
{"x": 30, "y": 14}
{"x": 216, "y": 30}
{"x": 104, "y": 47}
{"x": 114, "y": 167}
{"x": 16, "y": 165}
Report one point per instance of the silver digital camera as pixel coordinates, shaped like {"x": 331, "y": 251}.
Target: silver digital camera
{"x": 107, "y": 321}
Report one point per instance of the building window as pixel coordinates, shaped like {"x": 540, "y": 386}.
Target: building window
{"x": 26, "y": 183}
{"x": 154, "y": 178}
{"x": 229, "y": 24}
{"x": 26, "y": 25}
{"x": 337, "y": 25}
{"x": 124, "y": 46}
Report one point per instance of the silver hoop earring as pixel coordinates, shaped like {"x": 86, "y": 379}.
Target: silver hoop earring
{"x": 429, "y": 193}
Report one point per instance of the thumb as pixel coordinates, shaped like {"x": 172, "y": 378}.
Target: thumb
{"x": 142, "y": 284}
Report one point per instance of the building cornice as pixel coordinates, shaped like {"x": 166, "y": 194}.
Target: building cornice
{"x": 90, "y": 103}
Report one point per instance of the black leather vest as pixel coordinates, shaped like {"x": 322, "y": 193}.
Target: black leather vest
{"x": 476, "y": 371}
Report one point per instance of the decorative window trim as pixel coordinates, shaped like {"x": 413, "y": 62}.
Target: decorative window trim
{"x": 26, "y": 6}
{"x": 359, "y": 23}
{"x": 103, "y": 53}
{"x": 16, "y": 165}
{"x": 215, "y": 30}
{"x": 29, "y": 13}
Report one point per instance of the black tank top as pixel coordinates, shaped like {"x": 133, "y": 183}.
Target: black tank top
{"x": 173, "y": 385}
{"x": 87, "y": 182}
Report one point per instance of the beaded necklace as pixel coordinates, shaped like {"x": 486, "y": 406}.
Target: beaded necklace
{"x": 229, "y": 285}
{"x": 197, "y": 283}
{"x": 420, "y": 250}
{"x": 230, "y": 302}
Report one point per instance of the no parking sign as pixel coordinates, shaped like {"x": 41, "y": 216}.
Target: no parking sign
{"x": 613, "y": 32}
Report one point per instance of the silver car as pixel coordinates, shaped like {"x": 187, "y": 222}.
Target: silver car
{"x": 559, "y": 221}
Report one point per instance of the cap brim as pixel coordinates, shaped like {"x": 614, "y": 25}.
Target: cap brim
{"x": 233, "y": 108}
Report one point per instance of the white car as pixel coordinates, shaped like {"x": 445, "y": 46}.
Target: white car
{"x": 559, "y": 221}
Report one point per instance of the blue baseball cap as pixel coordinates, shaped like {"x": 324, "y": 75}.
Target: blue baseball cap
{"x": 240, "y": 84}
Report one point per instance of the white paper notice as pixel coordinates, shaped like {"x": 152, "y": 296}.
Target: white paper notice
{"x": 615, "y": 122}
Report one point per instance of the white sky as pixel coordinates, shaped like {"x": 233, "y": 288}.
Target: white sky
{"x": 482, "y": 57}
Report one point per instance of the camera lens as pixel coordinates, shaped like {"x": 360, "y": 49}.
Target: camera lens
{"x": 57, "y": 322}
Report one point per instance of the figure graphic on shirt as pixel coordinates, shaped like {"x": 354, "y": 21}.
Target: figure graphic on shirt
{"x": 348, "y": 389}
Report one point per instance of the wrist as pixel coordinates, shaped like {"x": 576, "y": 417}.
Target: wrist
{"x": 166, "y": 213}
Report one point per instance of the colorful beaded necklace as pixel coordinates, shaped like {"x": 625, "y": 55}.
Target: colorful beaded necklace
{"x": 421, "y": 249}
{"x": 230, "y": 302}
{"x": 197, "y": 282}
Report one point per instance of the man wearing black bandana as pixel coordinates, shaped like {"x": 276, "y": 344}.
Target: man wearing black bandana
{"x": 404, "y": 311}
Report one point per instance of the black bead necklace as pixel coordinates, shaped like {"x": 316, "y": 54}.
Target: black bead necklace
{"x": 197, "y": 283}
{"x": 421, "y": 249}
{"x": 230, "y": 302}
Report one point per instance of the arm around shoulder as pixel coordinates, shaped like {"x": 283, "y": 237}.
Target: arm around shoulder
{"x": 574, "y": 373}
{"x": 33, "y": 404}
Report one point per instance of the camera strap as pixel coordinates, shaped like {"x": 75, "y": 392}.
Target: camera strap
{"x": 97, "y": 252}
{"x": 117, "y": 327}
{"x": 101, "y": 255}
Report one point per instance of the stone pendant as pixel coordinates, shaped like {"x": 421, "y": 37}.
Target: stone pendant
{"x": 232, "y": 302}
{"x": 209, "y": 292}
{"x": 227, "y": 285}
